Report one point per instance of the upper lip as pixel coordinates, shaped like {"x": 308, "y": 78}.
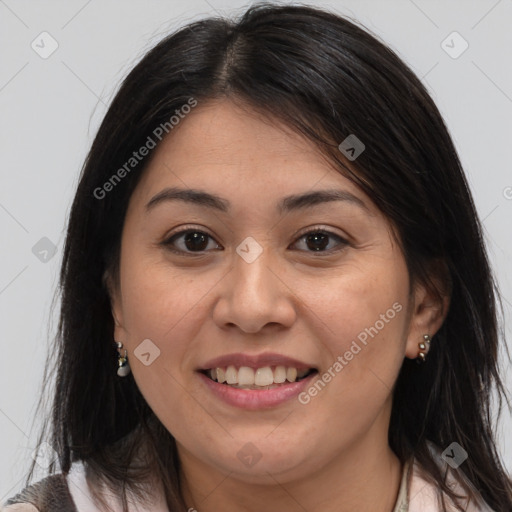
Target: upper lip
{"x": 255, "y": 361}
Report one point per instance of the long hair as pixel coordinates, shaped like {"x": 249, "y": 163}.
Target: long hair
{"x": 327, "y": 78}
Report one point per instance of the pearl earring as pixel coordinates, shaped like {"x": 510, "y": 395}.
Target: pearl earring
{"x": 123, "y": 368}
{"x": 424, "y": 347}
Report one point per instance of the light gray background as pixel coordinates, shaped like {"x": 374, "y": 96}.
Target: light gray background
{"x": 50, "y": 110}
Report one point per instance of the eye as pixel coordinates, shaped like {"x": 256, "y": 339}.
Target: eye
{"x": 189, "y": 241}
{"x": 318, "y": 240}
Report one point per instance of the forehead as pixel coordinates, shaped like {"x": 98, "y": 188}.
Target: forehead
{"x": 230, "y": 149}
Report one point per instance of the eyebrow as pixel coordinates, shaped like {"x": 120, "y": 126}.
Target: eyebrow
{"x": 287, "y": 204}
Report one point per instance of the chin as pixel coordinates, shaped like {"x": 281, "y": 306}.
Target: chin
{"x": 263, "y": 463}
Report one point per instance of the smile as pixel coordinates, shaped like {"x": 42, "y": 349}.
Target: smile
{"x": 266, "y": 377}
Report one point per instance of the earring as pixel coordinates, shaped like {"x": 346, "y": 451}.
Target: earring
{"x": 424, "y": 347}
{"x": 123, "y": 366}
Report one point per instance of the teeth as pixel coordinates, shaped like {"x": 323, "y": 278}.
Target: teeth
{"x": 231, "y": 375}
{"x": 263, "y": 377}
{"x": 302, "y": 373}
{"x": 279, "y": 374}
{"x": 245, "y": 376}
{"x": 221, "y": 375}
{"x": 291, "y": 374}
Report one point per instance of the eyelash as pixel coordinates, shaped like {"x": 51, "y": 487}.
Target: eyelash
{"x": 315, "y": 230}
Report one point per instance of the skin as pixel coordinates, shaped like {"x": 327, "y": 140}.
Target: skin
{"x": 331, "y": 454}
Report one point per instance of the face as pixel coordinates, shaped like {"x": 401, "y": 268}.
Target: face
{"x": 261, "y": 274}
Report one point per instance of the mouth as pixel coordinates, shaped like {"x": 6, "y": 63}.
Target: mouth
{"x": 261, "y": 378}
{"x": 255, "y": 381}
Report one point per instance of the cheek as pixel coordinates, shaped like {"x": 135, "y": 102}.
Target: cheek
{"x": 159, "y": 301}
{"x": 362, "y": 297}
{"x": 363, "y": 315}
{"x": 168, "y": 306}
{"x": 163, "y": 306}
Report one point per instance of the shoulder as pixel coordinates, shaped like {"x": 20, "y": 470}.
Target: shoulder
{"x": 19, "y": 507}
{"x": 49, "y": 494}
{"x": 71, "y": 492}
{"x": 60, "y": 492}
{"x": 423, "y": 495}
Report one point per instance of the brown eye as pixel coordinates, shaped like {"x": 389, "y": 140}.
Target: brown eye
{"x": 189, "y": 241}
{"x": 192, "y": 241}
{"x": 319, "y": 241}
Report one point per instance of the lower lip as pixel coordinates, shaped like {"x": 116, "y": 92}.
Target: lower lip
{"x": 254, "y": 399}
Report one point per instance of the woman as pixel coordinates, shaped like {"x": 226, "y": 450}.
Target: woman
{"x": 271, "y": 229}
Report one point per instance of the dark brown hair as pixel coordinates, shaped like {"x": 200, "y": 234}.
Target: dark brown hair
{"x": 327, "y": 78}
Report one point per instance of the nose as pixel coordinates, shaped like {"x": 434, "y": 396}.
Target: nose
{"x": 254, "y": 296}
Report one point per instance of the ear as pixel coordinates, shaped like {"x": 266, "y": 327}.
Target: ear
{"x": 429, "y": 303}
{"x": 114, "y": 293}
